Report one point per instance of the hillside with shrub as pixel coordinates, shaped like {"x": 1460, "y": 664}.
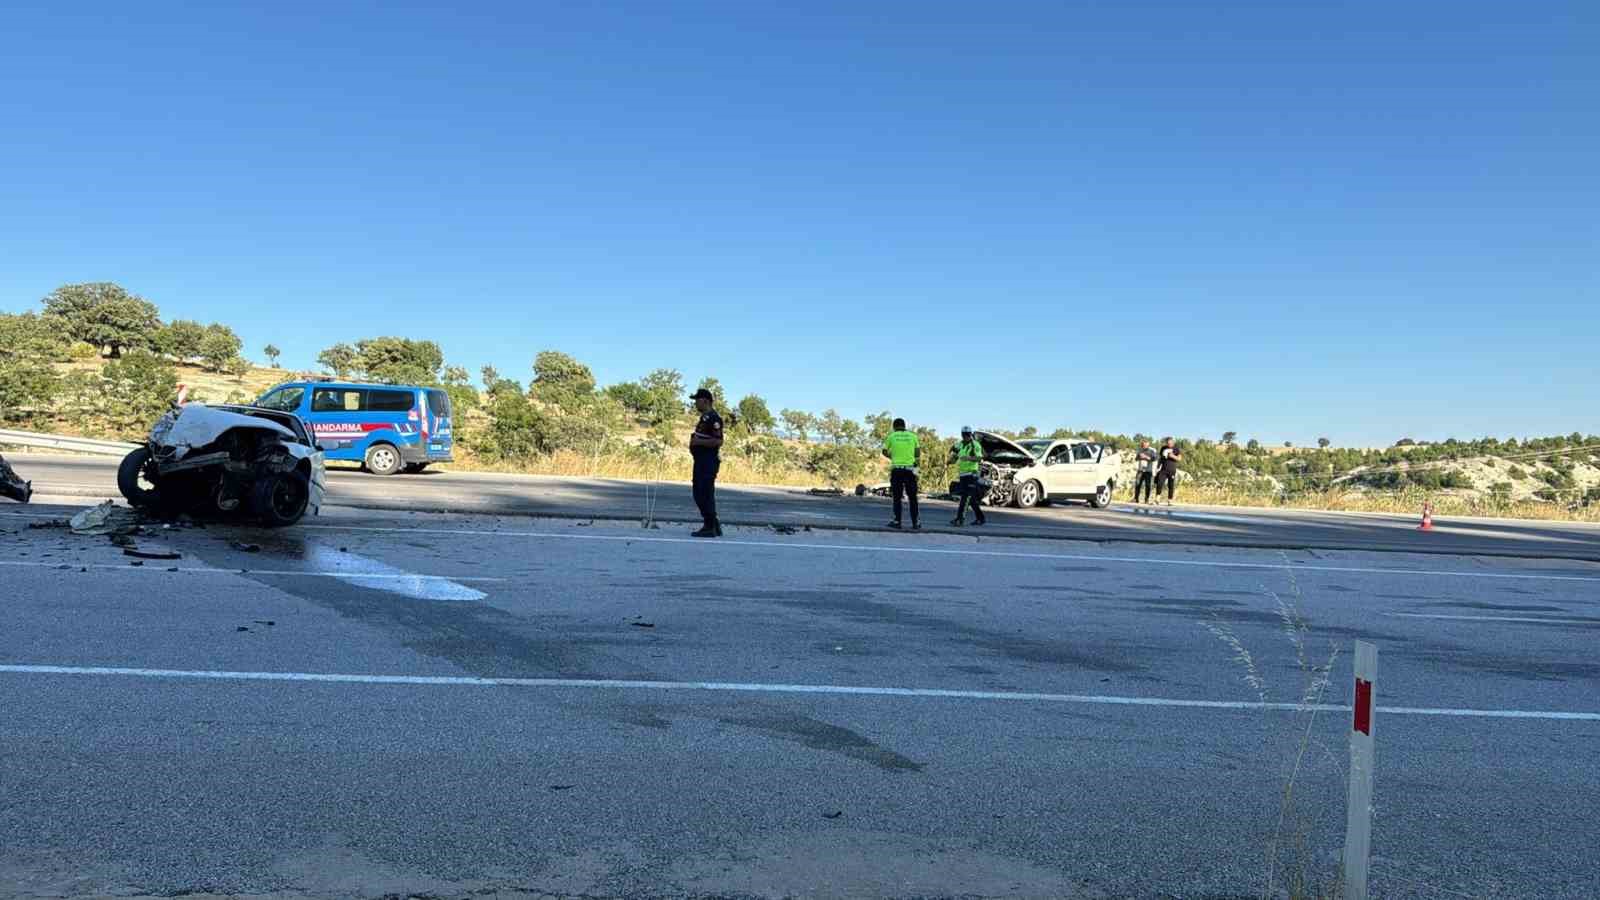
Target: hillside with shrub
{"x": 97, "y": 360}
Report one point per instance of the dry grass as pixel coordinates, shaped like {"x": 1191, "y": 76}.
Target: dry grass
{"x": 1406, "y": 502}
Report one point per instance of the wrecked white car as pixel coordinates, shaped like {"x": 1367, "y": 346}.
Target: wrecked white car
{"x": 1026, "y": 473}
{"x": 227, "y": 460}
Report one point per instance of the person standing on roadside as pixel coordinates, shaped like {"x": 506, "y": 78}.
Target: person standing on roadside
{"x": 1145, "y": 470}
{"x": 1170, "y": 455}
{"x": 904, "y": 453}
{"x": 968, "y": 454}
{"x": 705, "y": 445}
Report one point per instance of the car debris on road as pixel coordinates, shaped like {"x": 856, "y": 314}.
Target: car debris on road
{"x": 12, "y": 485}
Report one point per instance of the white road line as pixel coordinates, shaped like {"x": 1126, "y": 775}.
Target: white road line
{"x": 949, "y": 551}
{"x": 757, "y": 688}
{"x": 155, "y": 566}
{"x": 1551, "y": 620}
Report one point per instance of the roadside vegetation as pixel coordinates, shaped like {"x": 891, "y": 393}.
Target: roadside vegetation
{"x": 99, "y": 361}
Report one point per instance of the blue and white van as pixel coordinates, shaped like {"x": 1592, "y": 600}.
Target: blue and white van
{"x": 388, "y": 428}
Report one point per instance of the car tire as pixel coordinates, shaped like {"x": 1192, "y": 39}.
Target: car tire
{"x": 1029, "y": 494}
{"x": 134, "y": 466}
{"x": 383, "y": 459}
{"x": 281, "y": 499}
{"x": 1102, "y": 497}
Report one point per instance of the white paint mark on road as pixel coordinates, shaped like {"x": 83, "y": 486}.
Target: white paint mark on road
{"x": 758, "y": 688}
{"x": 366, "y": 572}
{"x": 355, "y": 576}
{"x": 952, "y": 551}
{"x": 1551, "y": 620}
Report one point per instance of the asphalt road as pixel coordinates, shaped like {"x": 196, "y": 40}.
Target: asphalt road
{"x": 828, "y": 714}
{"x": 583, "y": 498}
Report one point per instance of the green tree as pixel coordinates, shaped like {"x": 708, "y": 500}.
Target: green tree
{"x": 633, "y": 397}
{"x": 180, "y": 338}
{"x": 754, "y": 414}
{"x": 831, "y": 425}
{"x": 134, "y": 391}
{"x": 798, "y": 424}
{"x": 1323, "y": 442}
{"x": 398, "y": 360}
{"x": 340, "y": 359}
{"x": 272, "y": 353}
{"x": 1229, "y": 437}
{"x": 220, "y": 347}
{"x": 33, "y": 337}
{"x": 1254, "y": 446}
{"x": 560, "y": 379}
{"x": 718, "y": 398}
{"x": 665, "y": 390}
{"x": 457, "y": 382}
{"x": 104, "y": 315}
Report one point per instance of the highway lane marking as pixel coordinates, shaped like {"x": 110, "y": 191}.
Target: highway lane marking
{"x": 941, "y": 551}
{"x": 950, "y": 551}
{"x": 211, "y": 570}
{"x": 760, "y": 688}
{"x": 1552, "y": 620}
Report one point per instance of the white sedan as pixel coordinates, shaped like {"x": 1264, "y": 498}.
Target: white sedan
{"x": 1026, "y": 473}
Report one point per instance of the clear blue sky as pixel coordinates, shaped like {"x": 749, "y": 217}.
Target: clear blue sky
{"x": 1364, "y": 220}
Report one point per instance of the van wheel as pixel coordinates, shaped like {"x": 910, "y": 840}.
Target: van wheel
{"x": 1029, "y": 494}
{"x": 383, "y": 459}
{"x": 1102, "y": 497}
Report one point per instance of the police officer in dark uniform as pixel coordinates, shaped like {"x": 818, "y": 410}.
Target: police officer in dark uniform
{"x": 705, "y": 446}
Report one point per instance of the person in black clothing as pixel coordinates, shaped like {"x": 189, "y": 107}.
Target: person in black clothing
{"x": 705, "y": 446}
{"x": 1145, "y": 465}
{"x": 1170, "y": 455}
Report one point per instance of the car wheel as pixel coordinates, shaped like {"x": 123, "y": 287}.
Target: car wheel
{"x": 1029, "y": 494}
{"x": 383, "y": 459}
{"x": 137, "y": 480}
{"x": 1102, "y": 497}
{"x": 281, "y": 499}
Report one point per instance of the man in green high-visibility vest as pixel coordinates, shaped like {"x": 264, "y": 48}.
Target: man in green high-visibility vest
{"x": 968, "y": 454}
{"x": 903, "y": 452}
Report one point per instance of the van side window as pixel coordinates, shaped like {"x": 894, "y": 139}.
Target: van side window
{"x": 283, "y": 399}
{"x": 335, "y": 400}
{"x": 390, "y": 401}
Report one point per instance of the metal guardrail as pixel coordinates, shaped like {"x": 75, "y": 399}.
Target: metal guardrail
{"x": 64, "y": 442}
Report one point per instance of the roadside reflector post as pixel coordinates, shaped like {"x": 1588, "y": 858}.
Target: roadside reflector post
{"x": 1358, "y": 827}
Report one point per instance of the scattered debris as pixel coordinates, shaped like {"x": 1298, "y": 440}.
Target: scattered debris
{"x": 241, "y": 628}
{"x": 344, "y": 549}
{"x": 267, "y": 622}
{"x": 50, "y": 523}
{"x": 562, "y": 787}
{"x": 107, "y": 518}
{"x": 137, "y": 562}
{"x": 151, "y": 554}
{"x": 785, "y": 529}
{"x": 826, "y": 492}
{"x": 640, "y": 623}
{"x": 833, "y": 814}
{"x": 242, "y": 547}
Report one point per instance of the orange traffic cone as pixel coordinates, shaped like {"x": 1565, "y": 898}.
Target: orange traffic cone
{"x": 1427, "y": 517}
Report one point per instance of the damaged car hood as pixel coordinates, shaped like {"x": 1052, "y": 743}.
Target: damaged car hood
{"x": 1003, "y": 451}
{"x": 198, "y": 425}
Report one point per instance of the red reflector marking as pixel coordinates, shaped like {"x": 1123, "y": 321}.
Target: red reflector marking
{"x": 1363, "y": 721}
